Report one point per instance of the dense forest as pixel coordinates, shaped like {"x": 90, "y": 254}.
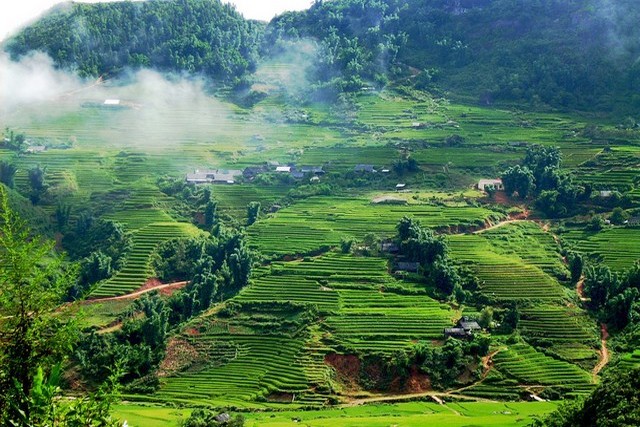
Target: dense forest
{"x": 197, "y": 36}
{"x": 564, "y": 53}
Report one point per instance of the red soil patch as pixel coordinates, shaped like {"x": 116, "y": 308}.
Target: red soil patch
{"x": 417, "y": 382}
{"x": 180, "y": 355}
{"x": 347, "y": 368}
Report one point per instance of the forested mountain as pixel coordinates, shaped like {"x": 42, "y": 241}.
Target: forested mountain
{"x": 561, "y": 52}
{"x": 198, "y": 36}
{"x": 565, "y": 53}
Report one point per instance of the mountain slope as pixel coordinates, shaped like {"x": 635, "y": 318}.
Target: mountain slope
{"x": 197, "y": 36}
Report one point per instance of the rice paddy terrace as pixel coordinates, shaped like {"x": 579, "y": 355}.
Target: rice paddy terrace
{"x": 271, "y": 345}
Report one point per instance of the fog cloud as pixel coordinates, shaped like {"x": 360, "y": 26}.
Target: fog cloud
{"x": 32, "y": 80}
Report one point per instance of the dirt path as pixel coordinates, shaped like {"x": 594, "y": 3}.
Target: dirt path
{"x": 580, "y": 290}
{"x": 435, "y": 395}
{"x": 604, "y": 352}
{"x": 134, "y": 295}
{"x": 498, "y": 225}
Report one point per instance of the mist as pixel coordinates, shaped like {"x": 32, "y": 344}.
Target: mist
{"x": 288, "y": 70}
{"x": 154, "y": 112}
{"x": 34, "y": 79}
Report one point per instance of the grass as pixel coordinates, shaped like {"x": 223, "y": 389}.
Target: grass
{"x": 402, "y": 414}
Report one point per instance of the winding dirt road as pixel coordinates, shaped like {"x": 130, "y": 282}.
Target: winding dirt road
{"x": 604, "y": 352}
{"x": 134, "y": 295}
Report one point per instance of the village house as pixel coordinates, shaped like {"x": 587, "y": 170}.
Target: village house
{"x": 213, "y": 177}
{"x": 465, "y": 328}
{"x": 389, "y": 247}
{"x": 364, "y": 168}
{"x": 36, "y": 149}
{"x": 400, "y": 186}
{"x": 316, "y": 170}
{"x": 283, "y": 169}
{"x": 253, "y": 171}
{"x": 605, "y": 193}
{"x": 490, "y": 184}
{"x": 633, "y": 221}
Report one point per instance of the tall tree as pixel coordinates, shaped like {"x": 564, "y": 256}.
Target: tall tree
{"x": 33, "y": 336}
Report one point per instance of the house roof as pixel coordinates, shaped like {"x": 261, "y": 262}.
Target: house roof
{"x": 111, "y": 102}
{"x": 283, "y": 169}
{"x": 455, "y": 331}
{"x": 470, "y": 325}
{"x": 489, "y": 182}
{"x": 364, "y": 168}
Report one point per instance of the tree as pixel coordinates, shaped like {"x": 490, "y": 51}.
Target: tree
{"x": 38, "y": 183}
{"x": 210, "y": 212}
{"x": 518, "y": 179}
{"x": 253, "y": 210}
{"x": 618, "y": 216}
{"x": 486, "y": 317}
{"x": 614, "y": 402}
{"x": 576, "y": 265}
{"x": 346, "y": 243}
{"x": 599, "y": 284}
{"x": 33, "y": 282}
{"x": 7, "y": 173}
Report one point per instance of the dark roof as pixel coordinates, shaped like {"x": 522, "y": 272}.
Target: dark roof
{"x": 455, "y": 332}
{"x": 635, "y": 220}
{"x": 312, "y": 169}
{"x": 364, "y": 168}
{"x": 471, "y": 325}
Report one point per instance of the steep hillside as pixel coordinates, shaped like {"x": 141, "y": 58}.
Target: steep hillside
{"x": 198, "y": 36}
{"x": 560, "y": 52}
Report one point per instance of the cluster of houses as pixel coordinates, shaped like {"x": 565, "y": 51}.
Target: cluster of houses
{"x": 220, "y": 176}
{"x": 363, "y": 168}
{"x": 465, "y": 328}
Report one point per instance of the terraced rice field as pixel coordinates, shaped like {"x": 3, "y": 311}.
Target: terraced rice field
{"x": 617, "y": 247}
{"x": 631, "y": 360}
{"x": 259, "y": 365}
{"x": 557, "y": 323}
{"x": 530, "y": 367}
{"x": 319, "y": 222}
{"x": 504, "y": 275}
{"x": 137, "y": 269}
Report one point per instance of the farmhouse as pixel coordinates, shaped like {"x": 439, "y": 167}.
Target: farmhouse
{"x": 487, "y": 184}
{"x": 316, "y": 170}
{"x": 401, "y": 186}
{"x": 634, "y": 221}
{"x": 283, "y": 169}
{"x": 36, "y": 149}
{"x": 605, "y": 193}
{"x": 364, "y": 168}
{"x": 213, "y": 177}
{"x": 253, "y": 171}
{"x": 389, "y": 247}
{"x": 465, "y": 328}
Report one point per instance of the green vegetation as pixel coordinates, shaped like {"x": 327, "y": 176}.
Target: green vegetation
{"x": 164, "y": 35}
{"x": 353, "y": 260}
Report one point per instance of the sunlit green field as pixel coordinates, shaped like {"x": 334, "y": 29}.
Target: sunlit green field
{"x": 415, "y": 414}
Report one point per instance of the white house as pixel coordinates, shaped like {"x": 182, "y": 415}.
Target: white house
{"x": 111, "y": 102}
{"x": 485, "y": 184}
{"x": 283, "y": 169}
